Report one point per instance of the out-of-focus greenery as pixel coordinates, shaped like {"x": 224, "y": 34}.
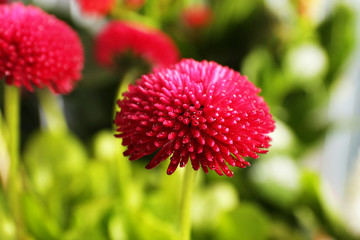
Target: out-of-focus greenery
{"x": 77, "y": 184}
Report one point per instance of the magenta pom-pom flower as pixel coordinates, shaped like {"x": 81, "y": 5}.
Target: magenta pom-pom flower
{"x": 97, "y": 7}
{"x": 197, "y": 111}
{"x": 37, "y": 49}
{"x": 120, "y": 37}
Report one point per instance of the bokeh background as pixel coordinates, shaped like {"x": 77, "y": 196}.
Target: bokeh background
{"x": 303, "y": 54}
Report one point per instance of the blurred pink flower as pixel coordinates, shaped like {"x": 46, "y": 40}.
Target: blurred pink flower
{"x": 99, "y": 7}
{"x": 193, "y": 110}
{"x": 197, "y": 16}
{"x": 37, "y": 49}
{"x": 150, "y": 44}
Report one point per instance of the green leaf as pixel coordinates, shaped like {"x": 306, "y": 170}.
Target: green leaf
{"x": 338, "y": 37}
{"x": 39, "y": 221}
{"x": 117, "y": 228}
{"x": 90, "y": 219}
{"x": 7, "y": 226}
{"x": 55, "y": 161}
{"x": 247, "y": 222}
{"x": 228, "y": 12}
{"x": 209, "y": 203}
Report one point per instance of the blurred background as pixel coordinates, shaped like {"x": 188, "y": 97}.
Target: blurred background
{"x": 303, "y": 54}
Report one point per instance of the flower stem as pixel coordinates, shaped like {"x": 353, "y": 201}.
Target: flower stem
{"x": 51, "y": 109}
{"x": 123, "y": 163}
{"x": 185, "y": 208}
{"x": 12, "y": 112}
{"x": 129, "y": 77}
{"x": 124, "y": 172}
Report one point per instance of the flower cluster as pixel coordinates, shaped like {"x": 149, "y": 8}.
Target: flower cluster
{"x": 193, "y": 110}
{"x": 97, "y": 7}
{"x": 37, "y": 49}
{"x": 119, "y": 37}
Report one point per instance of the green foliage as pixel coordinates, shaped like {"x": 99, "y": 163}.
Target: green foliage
{"x": 248, "y": 222}
{"x": 337, "y": 36}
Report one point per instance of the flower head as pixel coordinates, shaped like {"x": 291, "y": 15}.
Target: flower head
{"x": 197, "y": 16}
{"x": 152, "y": 45}
{"x": 97, "y": 7}
{"x": 37, "y": 49}
{"x": 193, "y": 110}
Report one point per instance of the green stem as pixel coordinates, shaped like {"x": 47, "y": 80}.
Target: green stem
{"x": 123, "y": 163}
{"x": 12, "y": 112}
{"x": 124, "y": 176}
{"x": 4, "y": 155}
{"x": 185, "y": 208}
{"x": 124, "y": 173}
{"x": 54, "y": 116}
{"x": 129, "y": 77}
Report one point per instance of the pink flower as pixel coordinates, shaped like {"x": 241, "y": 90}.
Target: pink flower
{"x": 152, "y": 45}
{"x": 37, "y": 49}
{"x": 197, "y": 16}
{"x": 193, "y": 110}
{"x": 98, "y": 7}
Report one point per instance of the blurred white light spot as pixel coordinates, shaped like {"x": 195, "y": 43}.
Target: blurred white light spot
{"x": 8, "y": 228}
{"x": 280, "y": 8}
{"x": 307, "y": 61}
{"x": 282, "y": 137}
{"x": 277, "y": 179}
{"x": 280, "y": 170}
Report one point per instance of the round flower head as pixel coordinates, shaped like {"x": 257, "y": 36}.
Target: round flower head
{"x": 193, "y": 110}
{"x": 98, "y": 7}
{"x": 119, "y": 37}
{"x": 37, "y": 49}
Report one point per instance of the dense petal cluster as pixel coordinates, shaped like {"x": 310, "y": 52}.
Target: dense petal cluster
{"x": 37, "y": 49}
{"x": 119, "y": 37}
{"x": 193, "y": 110}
